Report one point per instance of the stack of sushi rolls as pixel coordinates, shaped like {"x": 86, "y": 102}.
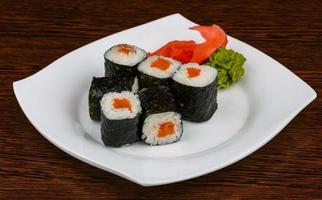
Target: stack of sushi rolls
{"x": 123, "y": 59}
{"x": 121, "y": 63}
{"x": 169, "y": 92}
{"x": 161, "y": 123}
{"x": 120, "y": 118}
{"x": 156, "y": 71}
{"x": 195, "y": 89}
{"x": 103, "y": 85}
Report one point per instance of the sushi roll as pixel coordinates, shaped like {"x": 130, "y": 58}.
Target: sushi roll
{"x": 123, "y": 59}
{"x": 195, "y": 90}
{"x": 156, "y": 71}
{"x": 100, "y": 86}
{"x": 120, "y": 118}
{"x": 161, "y": 123}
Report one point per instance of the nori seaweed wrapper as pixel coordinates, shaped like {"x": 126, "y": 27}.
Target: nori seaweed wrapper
{"x": 113, "y": 69}
{"x": 156, "y": 100}
{"x": 196, "y": 104}
{"x": 147, "y": 81}
{"x": 117, "y": 133}
{"x": 100, "y": 86}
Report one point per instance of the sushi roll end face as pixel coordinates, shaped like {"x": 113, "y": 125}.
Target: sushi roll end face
{"x": 159, "y": 66}
{"x": 123, "y": 59}
{"x": 162, "y": 128}
{"x": 120, "y": 105}
{"x": 156, "y": 71}
{"x": 195, "y": 75}
{"x": 120, "y": 118}
{"x": 195, "y": 89}
{"x": 161, "y": 122}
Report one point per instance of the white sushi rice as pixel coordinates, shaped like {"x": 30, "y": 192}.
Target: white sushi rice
{"x": 130, "y": 59}
{"x": 121, "y": 113}
{"x": 152, "y": 124}
{"x": 146, "y": 68}
{"x": 207, "y": 75}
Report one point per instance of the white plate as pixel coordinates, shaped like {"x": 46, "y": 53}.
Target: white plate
{"x": 250, "y": 113}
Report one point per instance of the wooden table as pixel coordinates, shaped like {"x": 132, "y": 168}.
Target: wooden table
{"x": 34, "y": 33}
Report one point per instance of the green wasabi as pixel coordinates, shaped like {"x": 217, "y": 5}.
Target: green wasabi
{"x": 229, "y": 65}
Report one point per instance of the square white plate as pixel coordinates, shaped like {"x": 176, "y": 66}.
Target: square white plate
{"x": 249, "y": 113}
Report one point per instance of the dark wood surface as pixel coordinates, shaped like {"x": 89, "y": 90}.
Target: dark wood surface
{"x": 35, "y": 33}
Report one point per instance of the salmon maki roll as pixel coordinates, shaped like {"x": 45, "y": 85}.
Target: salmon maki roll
{"x": 195, "y": 89}
{"x": 120, "y": 118}
{"x": 123, "y": 59}
{"x": 103, "y": 85}
{"x": 156, "y": 71}
{"x": 161, "y": 123}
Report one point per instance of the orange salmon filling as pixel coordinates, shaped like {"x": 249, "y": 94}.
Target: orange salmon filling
{"x": 165, "y": 129}
{"x": 161, "y": 64}
{"x": 123, "y": 48}
{"x": 193, "y": 72}
{"x": 122, "y": 103}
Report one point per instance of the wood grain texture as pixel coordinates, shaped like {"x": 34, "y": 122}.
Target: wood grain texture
{"x": 34, "y": 33}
